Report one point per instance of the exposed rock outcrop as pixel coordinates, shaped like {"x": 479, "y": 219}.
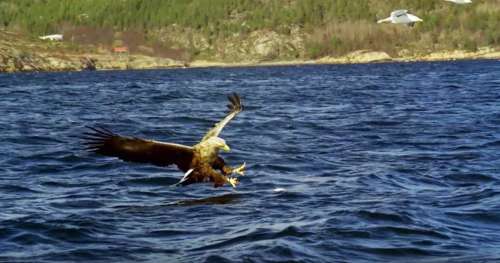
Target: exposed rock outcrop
{"x": 262, "y": 45}
{"x": 88, "y": 63}
{"x": 481, "y": 53}
{"x": 360, "y": 56}
{"x": 45, "y": 62}
{"x": 23, "y": 58}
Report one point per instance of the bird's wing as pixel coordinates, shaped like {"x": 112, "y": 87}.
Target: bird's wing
{"x": 235, "y": 107}
{"x": 397, "y": 13}
{"x": 414, "y": 18}
{"x": 384, "y": 20}
{"x": 105, "y": 142}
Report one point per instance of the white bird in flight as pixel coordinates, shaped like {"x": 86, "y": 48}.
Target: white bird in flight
{"x": 460, "y": 2}
{"x": 401, "y": 17}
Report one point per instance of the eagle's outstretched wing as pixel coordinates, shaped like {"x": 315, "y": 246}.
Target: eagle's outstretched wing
{"x": 105, "y": 142}
{"x": 235, "y": 107}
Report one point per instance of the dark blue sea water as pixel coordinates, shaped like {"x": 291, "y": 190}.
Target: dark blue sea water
{"x": 352, "y": 163}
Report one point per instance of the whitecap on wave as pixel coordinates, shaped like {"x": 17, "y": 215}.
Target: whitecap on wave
{"x": 279, "y": 190}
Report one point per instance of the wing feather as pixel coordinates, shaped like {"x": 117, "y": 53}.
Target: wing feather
{"x": 234, "y": 107}
{"x": 398, "y": 13}
{"x": 105, "y": 142}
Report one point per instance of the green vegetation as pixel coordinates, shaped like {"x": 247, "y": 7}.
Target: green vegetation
{"x": 332, "y": 27}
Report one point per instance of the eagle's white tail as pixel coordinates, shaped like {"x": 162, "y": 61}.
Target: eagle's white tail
{"x": 185, "y": 177}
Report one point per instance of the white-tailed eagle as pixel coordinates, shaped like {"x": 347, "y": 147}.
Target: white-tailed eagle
{"x": 199, "y": 162}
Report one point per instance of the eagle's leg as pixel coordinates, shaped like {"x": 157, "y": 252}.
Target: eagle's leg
{"x": 220, "y": 179}
{"x": 227, "y": 170}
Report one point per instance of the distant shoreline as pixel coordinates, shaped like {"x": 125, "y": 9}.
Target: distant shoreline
{"x": 316, "y": 62}
{"x": 102, "y": 62}
{"x": 365, "y": 57}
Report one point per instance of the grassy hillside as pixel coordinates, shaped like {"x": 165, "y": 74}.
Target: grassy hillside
{"x": 327, "y": 27}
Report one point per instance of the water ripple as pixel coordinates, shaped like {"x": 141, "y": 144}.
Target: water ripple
{"x": 346, "y": 163}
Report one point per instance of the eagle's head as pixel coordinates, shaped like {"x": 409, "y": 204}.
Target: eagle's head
{"x": 217, "y": 143}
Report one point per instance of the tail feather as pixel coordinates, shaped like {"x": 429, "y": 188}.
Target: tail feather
{"x": 184, "y": 178}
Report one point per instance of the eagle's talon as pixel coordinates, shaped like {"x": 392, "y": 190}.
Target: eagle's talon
{"x": 240, "y": 170}
{"x": 232, "y": 181}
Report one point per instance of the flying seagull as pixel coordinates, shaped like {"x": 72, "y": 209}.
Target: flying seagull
{"x": 401, "y": 17}
{"x": 199, "y": 162}
{"x": 460, "y": 2}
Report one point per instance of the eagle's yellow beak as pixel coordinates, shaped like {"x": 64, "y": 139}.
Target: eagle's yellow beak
{"x": 226, "y": 148}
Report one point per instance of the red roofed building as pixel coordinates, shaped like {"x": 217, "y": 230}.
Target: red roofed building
{"x": 120, "y": 50}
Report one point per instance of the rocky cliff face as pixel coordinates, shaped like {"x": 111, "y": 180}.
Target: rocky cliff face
{"x": 256, "y": 46}
{"x": 262, "y": 45}
{"x": 13, "y": 60}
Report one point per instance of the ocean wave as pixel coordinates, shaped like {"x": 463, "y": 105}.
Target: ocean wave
{"x": 348, "y": 163}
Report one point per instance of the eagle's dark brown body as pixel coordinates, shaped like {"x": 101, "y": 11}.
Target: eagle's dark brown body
{"x": 201, "y": 162}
